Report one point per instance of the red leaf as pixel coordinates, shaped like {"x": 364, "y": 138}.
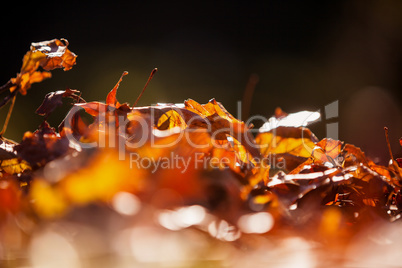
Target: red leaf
{"x": 111, "y": 97}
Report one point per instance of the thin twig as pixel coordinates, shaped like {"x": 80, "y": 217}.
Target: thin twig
{"x": 388, "y": 144}
{"x": 10, "y": 110}
{"x": 6, "y": 86}
{"x": 248, "y": 96}
{"x": 8, "y": 98}
{"x": 149, "y": 79}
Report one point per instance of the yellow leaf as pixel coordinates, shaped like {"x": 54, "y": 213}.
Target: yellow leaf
{"x": 171, "y": 119}
{"x": 277, "y": 142}
{"x": 14, "y": 166}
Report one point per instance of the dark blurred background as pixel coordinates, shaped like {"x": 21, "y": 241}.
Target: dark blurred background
{"x": 306, "y": 55}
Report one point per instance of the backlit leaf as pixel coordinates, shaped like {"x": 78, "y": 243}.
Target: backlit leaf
{"x": 296, "y": 141}
{"x": 47, "y": 54}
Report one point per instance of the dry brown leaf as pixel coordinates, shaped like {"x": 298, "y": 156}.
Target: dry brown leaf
{"x": 48, "y": 55}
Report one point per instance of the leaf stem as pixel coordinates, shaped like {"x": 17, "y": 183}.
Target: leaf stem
{"x": 248, "y": 96}
{"x": 388, "y": 144}
{"x": 146, "y": 84}
{"x": 8, "y": 98}
{"x": 6, "y": 86}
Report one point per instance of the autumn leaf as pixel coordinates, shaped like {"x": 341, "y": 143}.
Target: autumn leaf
{"x": 24, "y": 81}
{"x": 111, "y": 97}
{"x": 235, "y": 156}
{"x": 218, "y": 116}
{"x": 53, "y": 100}
{"x": 161, "y": 112}
{"x": 286, "y": 134}
{"x": 9, "y": 162}
{"x": 57, "y": 55}
{"x": 171, "y": 119}
{"x": 47, "y": 54}
{"x": 297, "y": 141}
{"x": 14, "y": 166}
{"x": 93, "y": 108}
{"x": 222, "y": 123}
{"x": 41, "y": 146}
{"x": 327, "y": 151}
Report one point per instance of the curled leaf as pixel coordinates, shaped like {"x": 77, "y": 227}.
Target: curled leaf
{"x": 56, "y": 54}
{"x": 47, "y": 54}
{"x": 42, "y": 146}
{"x": 53, "y": 100}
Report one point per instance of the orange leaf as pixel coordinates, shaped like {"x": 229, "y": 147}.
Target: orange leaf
{"x": 47, "y": 54}
{"x": 171, "y": 119}
{"x": 24, "y": 81}
{"x": 327, "y": 150}
{"x": 222, "y": 123}
{"x": 292, "y": 140}
{"x": 57, "y": 55}
{"x": 111, "y": 97}
{"x": 93, "y": 108}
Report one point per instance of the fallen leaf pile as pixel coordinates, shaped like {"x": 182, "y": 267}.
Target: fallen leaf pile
{"x": 147, "y": 177}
